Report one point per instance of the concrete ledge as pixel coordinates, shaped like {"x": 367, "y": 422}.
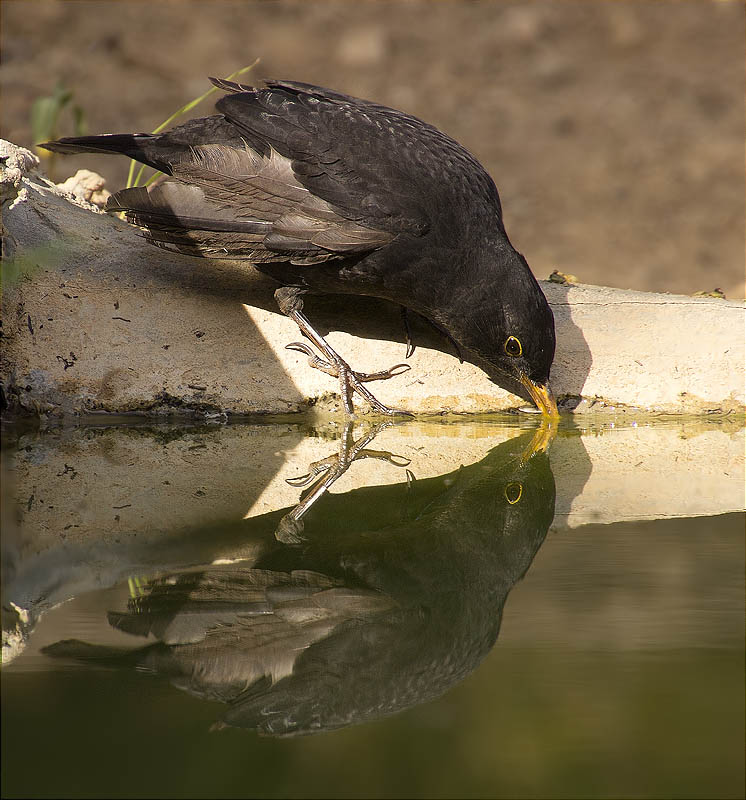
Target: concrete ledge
{"x": 95, "y": 319}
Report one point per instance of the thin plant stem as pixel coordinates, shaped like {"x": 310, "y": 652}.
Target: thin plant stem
{"x": 134, "y": 180}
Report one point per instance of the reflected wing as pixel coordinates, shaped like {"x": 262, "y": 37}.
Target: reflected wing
{"x": 228, "y": 626}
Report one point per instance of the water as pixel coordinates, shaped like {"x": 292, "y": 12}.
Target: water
{"x": 471, "y": 609}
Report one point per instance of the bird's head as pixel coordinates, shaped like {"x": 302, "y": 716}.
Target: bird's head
{"x": 514, "y": 328}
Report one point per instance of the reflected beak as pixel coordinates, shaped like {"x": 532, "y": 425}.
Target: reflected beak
{"x": 542, "y": 396}
{"x": 542, "y": 438}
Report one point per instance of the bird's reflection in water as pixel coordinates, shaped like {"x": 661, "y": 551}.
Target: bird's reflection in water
{"x": 322, "y": 474}
{"x": 390, "y": 596}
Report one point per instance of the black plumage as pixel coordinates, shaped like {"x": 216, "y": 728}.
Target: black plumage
{"x": 329, "y": 193}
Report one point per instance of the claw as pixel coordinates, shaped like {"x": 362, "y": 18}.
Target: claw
{"x": 392, "y": 372}
{"x": 408, "y": 333}
{"x": 313, "y": 360}
{"x": 383, "y": 455}
{"x": 402, "y": 412}
{"x": 314, "y": 469}
{"x": 391, "y": 412}
{"x": 301, "y": 347}
{"x": 382, "y": 375}
{"x": 301, "y": 480}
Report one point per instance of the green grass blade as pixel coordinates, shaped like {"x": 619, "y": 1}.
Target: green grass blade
{"x": 133, "y": 180}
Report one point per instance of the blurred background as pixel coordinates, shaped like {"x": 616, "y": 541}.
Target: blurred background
{"x": 614, "y": 131}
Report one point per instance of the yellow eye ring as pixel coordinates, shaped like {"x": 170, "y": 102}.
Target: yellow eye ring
{"x": 513, "y": 492}
{"x": 513, "y": 347}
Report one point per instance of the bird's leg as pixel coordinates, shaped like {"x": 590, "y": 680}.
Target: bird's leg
{"x": 290, "y": 303}
{"x": 331, "y": 469}
{"x": 330, "y": 369}
{"x": 444, "y": 333}
{"x": 407, "y": 331}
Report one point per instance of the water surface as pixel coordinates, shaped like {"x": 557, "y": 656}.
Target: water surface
{"x": 447, "y": 619}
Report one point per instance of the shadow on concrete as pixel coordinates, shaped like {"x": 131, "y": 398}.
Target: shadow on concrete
{"x": 372, "y": 318}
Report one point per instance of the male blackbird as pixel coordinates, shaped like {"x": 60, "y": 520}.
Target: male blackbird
{"x": 329, "y": 193}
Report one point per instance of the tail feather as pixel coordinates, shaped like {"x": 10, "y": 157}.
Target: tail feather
{"x": 103, "y": 143}
{"x": 181, "y": 205}
{"x": 176, "y": 217}
{"x": 161, "y": 151}
{"x": 133, "y": 145}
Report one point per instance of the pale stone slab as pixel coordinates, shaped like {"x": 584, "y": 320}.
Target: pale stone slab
{"x": 96, "y": 319}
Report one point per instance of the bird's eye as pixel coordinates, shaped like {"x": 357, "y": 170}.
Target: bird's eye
{"x": 513, "y": 492}
{"x": 513, "y": 347}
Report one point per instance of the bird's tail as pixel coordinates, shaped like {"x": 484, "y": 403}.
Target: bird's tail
{"x": 138, "y": 146}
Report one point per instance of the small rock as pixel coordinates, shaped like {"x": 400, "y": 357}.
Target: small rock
{"x": 564, "y": 278}
{"x": 15, "y": 162}
{"x": 88, "y": 186}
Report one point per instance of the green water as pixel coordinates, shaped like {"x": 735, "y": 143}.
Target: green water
{"x": 471, "y": 610}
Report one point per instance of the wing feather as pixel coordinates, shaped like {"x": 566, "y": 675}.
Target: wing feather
{"x": 234, "y": 202}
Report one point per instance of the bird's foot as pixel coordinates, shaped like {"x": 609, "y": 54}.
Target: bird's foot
{"x": 334, "y": 466}
{"x": 351, "y": 381}
{"x": 323, "y": 473}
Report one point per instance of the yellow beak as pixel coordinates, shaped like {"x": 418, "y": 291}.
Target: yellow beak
{"x": 542, "y": 396}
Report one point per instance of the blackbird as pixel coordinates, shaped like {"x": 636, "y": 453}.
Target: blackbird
{"x": 327, "y": 193}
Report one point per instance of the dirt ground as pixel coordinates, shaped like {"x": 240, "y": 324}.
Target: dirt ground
{"x": 614, "y": 131}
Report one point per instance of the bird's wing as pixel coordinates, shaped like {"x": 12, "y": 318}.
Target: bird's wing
{"x": 317, "y": 176}
{"x": 370, "y": 163}
{"x": 231, "y": 201}
{"x": 296, "y": 173}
